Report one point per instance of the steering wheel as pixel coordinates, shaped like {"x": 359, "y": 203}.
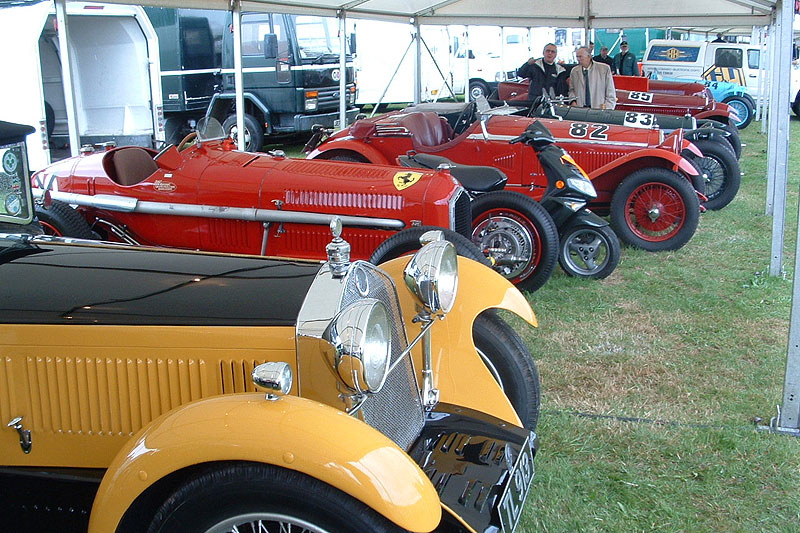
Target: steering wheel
{"x": 186, "y": 140}
{"x": 465, "y": 118}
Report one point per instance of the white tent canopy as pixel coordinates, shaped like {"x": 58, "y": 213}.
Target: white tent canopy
{"x": 569, "y": 13}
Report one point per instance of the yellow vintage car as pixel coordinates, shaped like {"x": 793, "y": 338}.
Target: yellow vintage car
{"x": 146, "y": 389}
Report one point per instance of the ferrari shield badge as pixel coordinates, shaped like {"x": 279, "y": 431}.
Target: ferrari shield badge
{"x": 404, "y": 180}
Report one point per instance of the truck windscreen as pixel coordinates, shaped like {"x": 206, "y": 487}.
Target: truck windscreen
{"x": 316, "y": 36}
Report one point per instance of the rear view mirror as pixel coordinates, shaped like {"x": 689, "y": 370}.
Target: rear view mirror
{"x": 353, "y": 44}
{"x": 270, "y": 46}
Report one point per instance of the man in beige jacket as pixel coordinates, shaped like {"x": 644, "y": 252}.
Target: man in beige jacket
{"x": 594, "y": 76}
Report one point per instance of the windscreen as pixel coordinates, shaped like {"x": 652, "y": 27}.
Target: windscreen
{"x": 209, "y": 129}
{"x": 317, "y": 36}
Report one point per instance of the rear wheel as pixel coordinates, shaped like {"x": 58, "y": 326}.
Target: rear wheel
{"x": 733, "y": 139}
{"x": 720, "y": 171}
{"x": 510, "y": 362}
{"x": 655, "y": 209}
{"x": 254, "y": 497}
{"x": 61, "y": 220}
{"x": 518, "y": 236}
{"x": 743, "y": 108}
{"x": 253, "y": 132}
{"x": 589, "y": 252}
{"x": 478, "y": 88}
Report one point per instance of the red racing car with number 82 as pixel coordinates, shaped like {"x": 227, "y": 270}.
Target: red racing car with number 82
{"x": 641, "y": 177}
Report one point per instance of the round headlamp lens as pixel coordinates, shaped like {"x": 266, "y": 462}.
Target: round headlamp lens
{"x": 377, "y": 347}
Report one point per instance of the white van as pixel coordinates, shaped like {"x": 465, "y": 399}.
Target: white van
{"x": 115, "y": 66}
{"x": 733, "y": 62}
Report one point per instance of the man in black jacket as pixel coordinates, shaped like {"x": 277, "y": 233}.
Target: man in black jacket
{"x": 545, "y": 74}
{"x": 603, "y": 57}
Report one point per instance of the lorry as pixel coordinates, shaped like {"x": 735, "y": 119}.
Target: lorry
{"x": 117, "y": 94}
{"x": 290, "y": 63}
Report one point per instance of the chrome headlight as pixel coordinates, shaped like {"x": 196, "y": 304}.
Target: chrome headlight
{"x": 583, "y": 185}
{"x": 275, "y": 377}
{"x": 361, "y": 337}
{"x": 432, "y": 275}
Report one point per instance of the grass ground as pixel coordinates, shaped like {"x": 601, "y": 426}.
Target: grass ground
{"x": 690, "y": 345}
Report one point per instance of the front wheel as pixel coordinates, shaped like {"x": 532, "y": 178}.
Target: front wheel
{"x": 589, "y": 252}
{"x": 60, "y": 220}
{"x": 407, "y": 241}
{"x": 720, "y": 171}
{"x": 253, "y": 132}
{"x": 743, "y": 108}
{"x": 518, "y": 236}
{"x": 254, "y": 497}
{"x": 510, "y": 362}
{"x": 655, "y": 209}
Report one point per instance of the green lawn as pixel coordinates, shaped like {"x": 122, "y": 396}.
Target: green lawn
{"x": 690, "y": 345}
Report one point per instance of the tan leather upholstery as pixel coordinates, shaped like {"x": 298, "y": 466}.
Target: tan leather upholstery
{"x": 426, "y": 128}
{"x": 132, "y": 165}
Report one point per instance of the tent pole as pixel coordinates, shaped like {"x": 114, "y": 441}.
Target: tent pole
{"x": 236, "y": 8}
{"x": 417, "y": 63}
{"x": 771, "y": 122}
{"x": 466, "y": 64}
{"x": 66, "y": 77}
{"x": 787, "y": 421}
{"x": 342, "y": 69}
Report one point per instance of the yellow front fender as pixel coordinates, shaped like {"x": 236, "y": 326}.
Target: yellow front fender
{"x": 293, "y": 433}
{"x": 461, "y": 376}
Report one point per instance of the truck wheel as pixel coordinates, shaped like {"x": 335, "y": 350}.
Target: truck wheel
{"x": 407, "y": 241}
{"x": 518, "y": 235}
{"x": 478, "y": 88}
{"x": 62, "y": 221}
{"x": 743, "y": 108}
{"x": 721, "y": 173}
{"x": 589, "y": 252}
{"x": 655, "y": 209}
{"x": 510, "y": 362}
{"x": 253, "y": 132}
{"x": 260, "y": 497}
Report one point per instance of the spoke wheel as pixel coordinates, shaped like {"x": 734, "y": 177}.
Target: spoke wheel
{"x": 655, "y": 209}
{"x": 720, "y": 171}
{"x": 60, "y": 220}
{"x": 517, "y": 235}
{"x": 265, "y": 523}
{"x": 589, "y": 252}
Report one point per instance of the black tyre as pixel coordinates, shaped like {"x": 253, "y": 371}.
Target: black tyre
{"x": 407, "y": 241}
{"x": 253, "y": 132}
{"x": 733, "y": 139}
{"x": 743, "y": 108}
{"x": 253, "y": 497}
{"x": 589, "y": 252}
{"x": 518, "y": 235}
{"x": 478, "y": 88}
{"x": 720, "y": 171}
{"x": 796, "y": 104}
{"x": 61, "y": 220}
{"x": 655, "y": 209}
{"x": 510, "y": 362}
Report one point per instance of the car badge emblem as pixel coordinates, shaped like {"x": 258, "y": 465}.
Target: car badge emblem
{"x": 336, "y": 74}
{"x": 362, "y": 282}
{"x": 164, "y": 186}
{"x": 404, "y": 180}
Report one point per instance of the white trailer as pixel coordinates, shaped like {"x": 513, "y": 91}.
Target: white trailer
{"x": 113, "y": 53}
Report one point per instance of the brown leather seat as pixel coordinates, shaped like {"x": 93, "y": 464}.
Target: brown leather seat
{"x": 131, "y": 165}
{"x": 426, "y": 128}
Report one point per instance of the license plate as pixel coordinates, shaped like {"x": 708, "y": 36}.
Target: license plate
{"x": 513, "y": 499}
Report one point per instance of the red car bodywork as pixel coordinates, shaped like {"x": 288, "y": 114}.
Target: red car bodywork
{"x": 658, "y": 100}
{"x": 233, "y": 189}
{"x": 607, "y": 153}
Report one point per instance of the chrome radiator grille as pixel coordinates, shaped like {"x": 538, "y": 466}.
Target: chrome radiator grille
{"x": 396, "y": 411}
{"x": 461, "y": 214}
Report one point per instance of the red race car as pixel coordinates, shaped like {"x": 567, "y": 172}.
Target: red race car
{"x": 700, "y": 106}
{"x": 211, "y": 197}
{"x": 639, "y": 174}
